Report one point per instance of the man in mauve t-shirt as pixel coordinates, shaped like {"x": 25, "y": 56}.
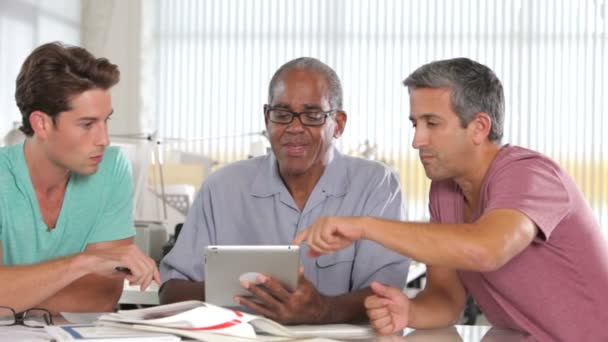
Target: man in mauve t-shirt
{"x": 508, "y": 225}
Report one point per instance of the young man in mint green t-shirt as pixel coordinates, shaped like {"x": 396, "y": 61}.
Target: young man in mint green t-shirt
{"x": 65, "y": 196}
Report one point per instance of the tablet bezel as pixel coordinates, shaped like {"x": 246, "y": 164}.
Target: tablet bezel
{"x": 224, "y": 264}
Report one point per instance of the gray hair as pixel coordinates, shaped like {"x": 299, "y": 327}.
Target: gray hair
{"x": 315, "y": 65}
{"x": 475, "y": 88}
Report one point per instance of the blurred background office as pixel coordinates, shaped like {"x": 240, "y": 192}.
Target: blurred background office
{"x": 194, "y": 74}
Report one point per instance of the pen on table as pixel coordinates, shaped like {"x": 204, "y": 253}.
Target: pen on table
{"x": 123, "y": 269}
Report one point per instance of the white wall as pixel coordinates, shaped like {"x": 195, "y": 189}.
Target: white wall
{"x": 112, "y": 29}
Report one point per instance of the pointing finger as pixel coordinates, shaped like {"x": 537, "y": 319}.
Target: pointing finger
{"x": 303, "y": 235}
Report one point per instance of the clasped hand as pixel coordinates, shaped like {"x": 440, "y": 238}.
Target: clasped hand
{"x": 388, "y": 309}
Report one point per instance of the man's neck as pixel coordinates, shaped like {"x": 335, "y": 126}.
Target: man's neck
{"x": 47, "y": 177}
{"x": 472, "y": 179}
{"x": 300, "y": 186}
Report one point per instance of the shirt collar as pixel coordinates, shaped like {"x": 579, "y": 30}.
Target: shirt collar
{"x": 334, "y": 180}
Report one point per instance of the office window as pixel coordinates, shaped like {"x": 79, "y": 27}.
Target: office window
{"x": 214, "y": 60}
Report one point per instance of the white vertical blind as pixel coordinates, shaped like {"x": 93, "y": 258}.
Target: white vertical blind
{"x": 25, "y": 24}
{"x": 216, "y": 57}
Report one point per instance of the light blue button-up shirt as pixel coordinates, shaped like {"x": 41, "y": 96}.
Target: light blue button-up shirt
{"x": 247, "y": 203}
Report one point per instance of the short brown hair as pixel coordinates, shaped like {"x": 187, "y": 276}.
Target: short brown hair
{"x": 53, "y": 73}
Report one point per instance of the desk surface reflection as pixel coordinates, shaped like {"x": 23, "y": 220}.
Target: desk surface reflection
{"x": 458, "y": 333}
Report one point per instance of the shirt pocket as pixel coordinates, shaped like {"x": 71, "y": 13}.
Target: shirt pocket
{"x": 334, "y": 272}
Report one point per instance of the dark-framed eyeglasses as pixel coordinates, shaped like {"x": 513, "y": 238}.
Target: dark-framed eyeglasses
{"x": 308, "y": 118}
{"x": 33, "y": 318}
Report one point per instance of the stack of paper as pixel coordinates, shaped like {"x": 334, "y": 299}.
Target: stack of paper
{"x": 203, "y": 321}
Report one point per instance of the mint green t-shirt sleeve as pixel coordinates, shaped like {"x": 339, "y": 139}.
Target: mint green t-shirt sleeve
{"x": 116, "y": 220}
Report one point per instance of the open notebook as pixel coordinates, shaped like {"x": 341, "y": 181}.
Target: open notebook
{"x": 203, "y": 321}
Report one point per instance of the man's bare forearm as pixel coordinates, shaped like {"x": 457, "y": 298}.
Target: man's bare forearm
{"x": 86, "y": 281}
{"x": 177, "y": 290}
{"x": 441, "y": 301}
{"x": 24, "y": 287}
{"x": 482, "y": 246}
{"x": 90, "y": 293}
{"x": 431, "y": 311}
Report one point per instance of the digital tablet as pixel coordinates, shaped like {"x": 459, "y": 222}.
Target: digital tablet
{"x": 226, "y": 265}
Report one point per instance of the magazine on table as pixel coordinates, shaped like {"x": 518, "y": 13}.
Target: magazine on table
{"x": 91, "y": 332}
{"x": 199, "y": 320}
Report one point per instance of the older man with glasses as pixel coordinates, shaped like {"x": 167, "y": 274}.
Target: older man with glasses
{"x": 269, "y": 199}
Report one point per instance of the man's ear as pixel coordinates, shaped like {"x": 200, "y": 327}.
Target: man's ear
{"x": 341, "y": 119}
{"x": 481, "y": 126}
{"x": 265, "y": 108}
{"x": 41, "y": 123}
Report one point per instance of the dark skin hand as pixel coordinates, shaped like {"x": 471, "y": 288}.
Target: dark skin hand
{"x": 304, "y": 305}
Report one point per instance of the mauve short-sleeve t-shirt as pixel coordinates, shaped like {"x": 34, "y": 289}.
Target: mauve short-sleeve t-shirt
{"x": 556, "y": 289}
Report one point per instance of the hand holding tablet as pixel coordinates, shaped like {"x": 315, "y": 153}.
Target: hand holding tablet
{"x": 227, "y": 266}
